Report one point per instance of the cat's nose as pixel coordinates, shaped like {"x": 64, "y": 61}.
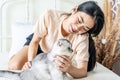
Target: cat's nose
{"x": 70, "y": 49}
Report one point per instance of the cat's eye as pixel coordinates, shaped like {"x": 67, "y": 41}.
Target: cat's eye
{"x": 69, "y": 48}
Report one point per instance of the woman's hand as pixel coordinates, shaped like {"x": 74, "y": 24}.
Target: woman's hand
{"x": 63, "y": 63}
{"x": 27, "y": 65}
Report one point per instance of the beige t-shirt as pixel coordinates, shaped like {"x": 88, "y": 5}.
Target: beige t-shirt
{"x": 48, "y": 28}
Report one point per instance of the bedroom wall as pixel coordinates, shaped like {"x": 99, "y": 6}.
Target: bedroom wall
{"x": 17, "y": 11}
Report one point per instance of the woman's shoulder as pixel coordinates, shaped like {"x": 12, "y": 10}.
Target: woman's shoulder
{"x": 48, "y": 14}
{"x": 77, "y": 39}
{"x": 83, "y": 36}
{"x": 53, "y": 12}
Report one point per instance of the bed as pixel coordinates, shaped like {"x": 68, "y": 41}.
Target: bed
{"x": 24, "y": 26}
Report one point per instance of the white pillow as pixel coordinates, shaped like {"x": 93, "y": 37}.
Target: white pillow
{"x": 19, "y": 33}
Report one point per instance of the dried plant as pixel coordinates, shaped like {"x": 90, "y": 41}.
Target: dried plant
{"x": 109, "y": 53}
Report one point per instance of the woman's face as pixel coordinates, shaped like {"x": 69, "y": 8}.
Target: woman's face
{"x": 78, "y": 23}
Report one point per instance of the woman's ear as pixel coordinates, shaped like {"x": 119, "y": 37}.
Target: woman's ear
{"x": 74, "y": 10}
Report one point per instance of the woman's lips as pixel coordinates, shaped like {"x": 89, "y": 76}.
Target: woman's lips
{"x": 73, "y": 29}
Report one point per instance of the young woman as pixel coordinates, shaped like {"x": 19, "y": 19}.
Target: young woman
{"x": 85, "y": 20}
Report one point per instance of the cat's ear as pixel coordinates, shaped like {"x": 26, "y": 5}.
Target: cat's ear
{"x": 59, "y": 43}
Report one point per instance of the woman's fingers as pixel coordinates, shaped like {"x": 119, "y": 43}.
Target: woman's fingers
{"x": 63, "y": 58}
{"x": 63, "y": 63}
{"x": 27, "y": 65}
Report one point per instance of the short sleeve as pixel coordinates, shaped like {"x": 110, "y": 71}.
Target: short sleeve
{"x": 82, "y": 53}
{"x": 41, "y": 25}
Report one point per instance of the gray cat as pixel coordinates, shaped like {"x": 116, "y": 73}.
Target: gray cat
{"x": 43, "y": 66}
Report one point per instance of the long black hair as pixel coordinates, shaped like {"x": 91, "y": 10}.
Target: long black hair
{"x": 92, "y": 9}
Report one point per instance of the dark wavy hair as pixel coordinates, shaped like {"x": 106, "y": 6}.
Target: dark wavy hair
{"x": 92, "y": 9}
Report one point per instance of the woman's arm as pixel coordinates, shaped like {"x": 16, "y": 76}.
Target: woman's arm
{"x": 32, "y": 51}
{"x": 79, "y": 71}
{"x": 65, "y": 65}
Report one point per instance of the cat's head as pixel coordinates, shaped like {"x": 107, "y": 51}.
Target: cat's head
{"x": 62, "y": 47}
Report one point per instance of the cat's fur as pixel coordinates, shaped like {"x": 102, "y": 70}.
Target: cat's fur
{"x": 43, "y": 67}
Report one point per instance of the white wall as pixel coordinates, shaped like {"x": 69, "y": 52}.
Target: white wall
{"x": 67, "y": 5}
{"x": 17, "y": 11}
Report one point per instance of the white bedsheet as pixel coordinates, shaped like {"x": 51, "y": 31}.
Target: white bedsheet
{"x": 99, "y": 73}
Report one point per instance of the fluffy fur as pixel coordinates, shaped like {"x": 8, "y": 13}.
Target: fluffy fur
{"x": 43, "y": 67}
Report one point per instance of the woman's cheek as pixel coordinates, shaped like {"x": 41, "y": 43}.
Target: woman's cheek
{"x": 81, "y": 31}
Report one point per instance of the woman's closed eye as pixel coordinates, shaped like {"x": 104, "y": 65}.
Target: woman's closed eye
{"x": 80, "y": 21}
{"x": 85, "y": 28}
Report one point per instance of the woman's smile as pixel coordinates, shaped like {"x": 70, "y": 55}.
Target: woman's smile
{"x": 72, "y": 29}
